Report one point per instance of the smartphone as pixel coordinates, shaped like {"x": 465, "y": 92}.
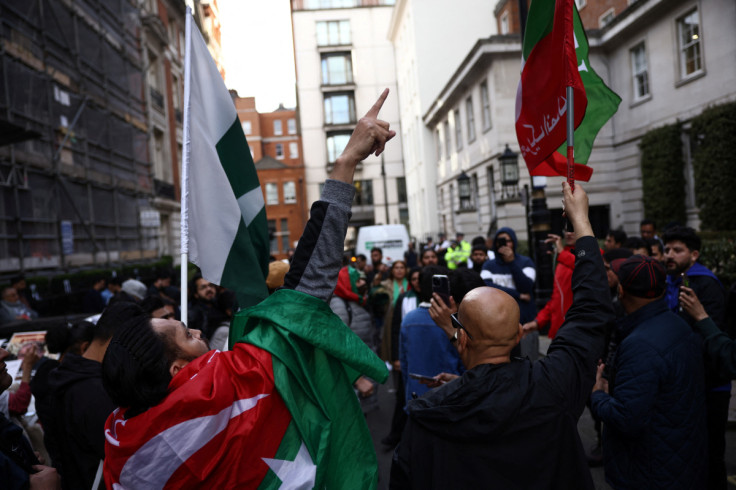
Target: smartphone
{"x": 441, "y": 286}
{"x": 421, "y": 377}
{"x": 685, "y": 282}
{"x": 500, "y": 242}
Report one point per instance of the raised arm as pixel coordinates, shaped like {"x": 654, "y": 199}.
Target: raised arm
{"x": 318, "y": 255}
{"x": 571, "y": 359}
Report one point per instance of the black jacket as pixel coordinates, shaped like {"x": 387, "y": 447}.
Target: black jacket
{"x": 16, "y": 456}
{"x": 77, "y": 430}
{"x": 514, "y": 425}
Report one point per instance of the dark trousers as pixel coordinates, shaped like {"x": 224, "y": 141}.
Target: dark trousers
{"x": 398, "y": 421}
{"x": 716, "y": 405}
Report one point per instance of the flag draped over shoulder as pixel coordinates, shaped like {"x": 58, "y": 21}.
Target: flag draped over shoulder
{"x": 278, "y": 411}
{"x": 224, "y": 217}
{"x": 602, "y": 104}
{"x": 549, "y": 66}
{"x": 316, "y": 358}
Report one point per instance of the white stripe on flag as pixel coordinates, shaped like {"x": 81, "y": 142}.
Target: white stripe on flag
{"x": 251, "y": 204}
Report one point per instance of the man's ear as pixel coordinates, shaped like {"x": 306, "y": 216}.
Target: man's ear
{"x": 695, "y": 254}
{"x": 177, "y": 366}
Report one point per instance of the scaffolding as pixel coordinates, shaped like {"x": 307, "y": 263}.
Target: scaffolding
{"x": 75, "y": 173}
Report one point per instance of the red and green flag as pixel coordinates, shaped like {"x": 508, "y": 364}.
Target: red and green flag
{"x": 602, "y": 102}
{"x": 278, "y": 411}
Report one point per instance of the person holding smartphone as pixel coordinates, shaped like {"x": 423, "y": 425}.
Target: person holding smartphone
{"x": 512, "y": 423}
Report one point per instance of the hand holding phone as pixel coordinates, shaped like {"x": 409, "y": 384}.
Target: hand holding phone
{"x": 441, "y": 286}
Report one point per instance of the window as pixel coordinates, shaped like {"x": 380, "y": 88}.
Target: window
{"x": 277, "y": 128}
{"x": 279, "y": 151}
{"x": 247, "y": 127}
{"x": 606, "y": 18}
{"x": 363, "y": 192}
{"x": 401, "y": 189}
{"x": 272, "y": 193}
{"x": 333, "y": 33}
{"x": 505, "y": 23}
{"x": 471, "y": 118}
{"x": 458, "y": 130}
{"x": 272, "y": 236}
{"x": 284, "y": 234}
{"x": 336, "y": 144}
{"x": 639, "y": 71}
{"x": 293, "y": 150}
{"x": 486, "y": 101}
{"x": 337, "y": 69}
{"x": 447, "y": 139}
{"x": 339, "y": 108}
{"x": 688, "y": 39}
{"x": 289, "y": 192}
{"x": 291, "y": 125}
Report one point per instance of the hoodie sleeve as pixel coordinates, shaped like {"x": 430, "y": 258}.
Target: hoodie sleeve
{"x": 570, "y": 365}
{"x": 318, "y": 255}
{"x": 720, "y": 350}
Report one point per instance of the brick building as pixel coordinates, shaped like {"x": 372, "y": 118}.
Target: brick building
{"x": 276, "y": 147}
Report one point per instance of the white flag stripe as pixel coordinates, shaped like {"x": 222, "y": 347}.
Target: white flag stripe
{"x": 251, "y": 204}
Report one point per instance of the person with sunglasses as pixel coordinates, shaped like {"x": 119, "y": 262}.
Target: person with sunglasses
{"x": 509, "y": 422}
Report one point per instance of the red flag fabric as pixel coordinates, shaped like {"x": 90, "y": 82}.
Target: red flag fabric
{"x": 550, "y": 67}
{"x": 221, "y": 418}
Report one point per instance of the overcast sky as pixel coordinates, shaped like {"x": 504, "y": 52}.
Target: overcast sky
{"x": 258, "y": 51}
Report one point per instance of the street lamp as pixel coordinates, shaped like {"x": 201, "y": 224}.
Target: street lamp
{"x": 509, "y": 167}
{"x": 463, "y": 189}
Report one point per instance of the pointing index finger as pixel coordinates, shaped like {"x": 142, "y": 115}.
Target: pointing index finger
{"x": 373, "y": 112}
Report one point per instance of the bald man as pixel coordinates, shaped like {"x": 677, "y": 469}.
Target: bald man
{"x": 512, "y": 423}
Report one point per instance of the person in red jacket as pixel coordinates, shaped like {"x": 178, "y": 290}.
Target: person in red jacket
{"x": 553, "y": 313}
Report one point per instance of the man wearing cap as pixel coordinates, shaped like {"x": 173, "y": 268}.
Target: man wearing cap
{"x": 652, "y": 405}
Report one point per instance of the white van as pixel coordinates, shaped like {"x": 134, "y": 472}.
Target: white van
{"x": 392, "y": 239}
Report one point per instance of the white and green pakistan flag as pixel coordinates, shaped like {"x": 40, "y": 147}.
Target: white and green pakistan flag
{"x": 224, "y": 216}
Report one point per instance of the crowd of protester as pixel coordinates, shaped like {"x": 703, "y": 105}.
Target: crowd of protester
{"x": 638, "y": 333}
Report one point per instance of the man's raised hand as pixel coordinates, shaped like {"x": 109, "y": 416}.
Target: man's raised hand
{"x": 369, "y": 137}
{"x": 575, "y": 206}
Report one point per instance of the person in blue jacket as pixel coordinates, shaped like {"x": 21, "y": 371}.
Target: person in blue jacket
{"x": 512, "y": 272}
{"x": 653, "y": 404}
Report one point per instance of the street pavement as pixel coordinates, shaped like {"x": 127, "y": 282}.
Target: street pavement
{"x": 379, "y": 424}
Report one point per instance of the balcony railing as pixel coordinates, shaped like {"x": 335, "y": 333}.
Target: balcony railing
{"x": 157, "y": 99}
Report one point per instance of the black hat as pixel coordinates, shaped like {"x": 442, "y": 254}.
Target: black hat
{"x": 641, "y": 276}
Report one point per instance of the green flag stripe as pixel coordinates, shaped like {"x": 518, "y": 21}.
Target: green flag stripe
{"x": 236, "y": 160}
{"x": 538, "y": 24}
{"x": 245, "y": 257}
{"x": 602, "y": 101}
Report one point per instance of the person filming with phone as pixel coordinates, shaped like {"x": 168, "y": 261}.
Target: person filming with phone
{"x": 512, "y": 423}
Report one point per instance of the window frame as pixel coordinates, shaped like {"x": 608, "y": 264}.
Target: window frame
{"x": 279, "y": 151}
{"x": 278, "y": 127}
{"x": 330, "y": 121}
{"x": 485, "y": 99}
{"x": 269, "y": 188}
{"x": 342, "y": 38}
{"x": 287, "y": 196}
{"x": 325, "y": 71}
{"x": 682, "y": 49}
{"x": 458, "y": 130}
{"x": 637, "y": 72}
{"x": 470, "y": 118}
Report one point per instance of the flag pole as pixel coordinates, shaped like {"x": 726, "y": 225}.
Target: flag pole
{"x": 186, "y": 151}
{"x": 570, "y": 137}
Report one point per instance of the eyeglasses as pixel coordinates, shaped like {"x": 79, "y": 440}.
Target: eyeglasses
{"x": 456, "y": 324}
